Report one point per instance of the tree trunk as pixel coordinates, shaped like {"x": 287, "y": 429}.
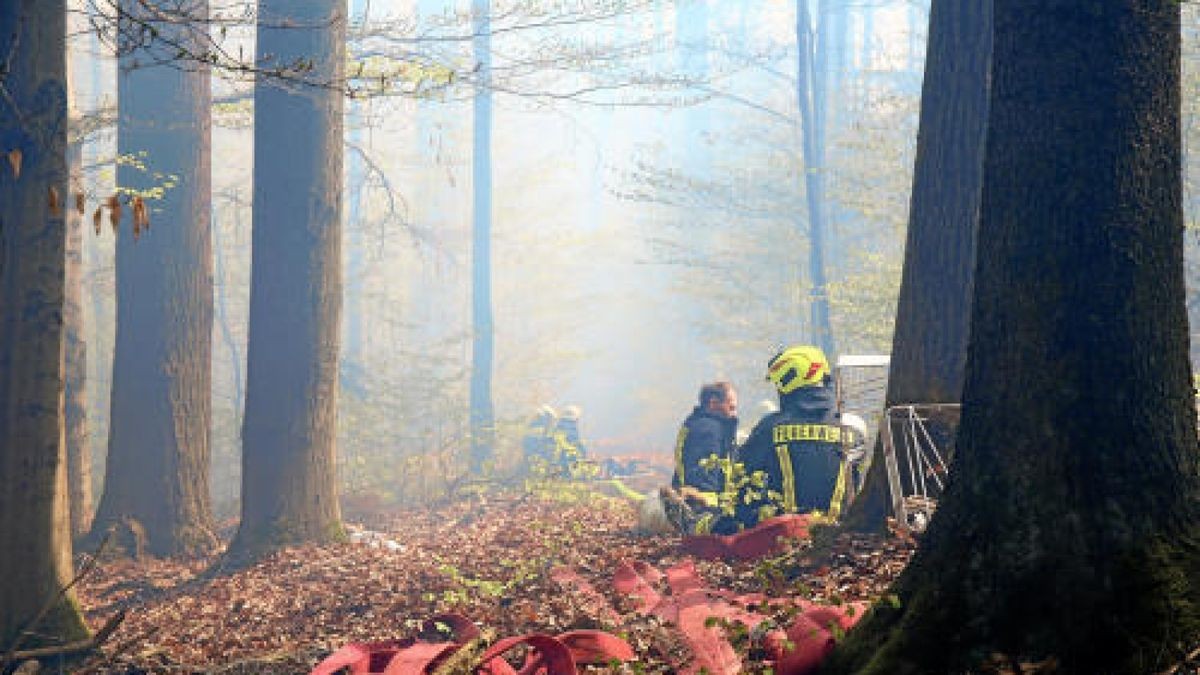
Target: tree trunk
{"x": 913, "y": 53}
{"x": 289, "y": 481}
{"x": 811, "y": 102}
{"x": 692, "y": 58}
{"x": 929, "y": 345}
{"x": 1069, "y": 530}
{"x": 79, "y": 453}
{"x": 867, "y": 46}
{"x": 221, "y": 308}
{"x": 482, "y": 414}
{"x": 34, "y": 526}
{"x": 161, "y": 408}
{"x": 358, "y": 116}
{"x": 838, "y": 49}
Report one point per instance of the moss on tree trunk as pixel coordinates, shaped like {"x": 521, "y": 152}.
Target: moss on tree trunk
{"x": 35, "y": 563}
{"x": 1070, "y": 527}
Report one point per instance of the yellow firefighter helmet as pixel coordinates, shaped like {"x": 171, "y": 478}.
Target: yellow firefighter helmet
{"x": 799, "y": 366}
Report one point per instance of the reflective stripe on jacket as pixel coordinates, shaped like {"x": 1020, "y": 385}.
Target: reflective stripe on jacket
{"x": 701, "y": 436}
{"x": 798, "y": 453}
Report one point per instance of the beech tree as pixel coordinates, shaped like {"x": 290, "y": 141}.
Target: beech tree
{"x": 36, "y": 562}
{"x": 483, "y": 326}
{"x": 1069, "y": 531}
{"x": 289, "y": 486}
{"x": 161, "y": 406}
{"x": 79, "y": 453}
{"x": 929, "y": 344}
{"x": 811, "y": 59}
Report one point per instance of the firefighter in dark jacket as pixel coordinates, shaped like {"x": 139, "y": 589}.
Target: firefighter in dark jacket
{"x": 569, "y": 451}
{"x": 793, "y": 461}
{"x": 703, "y": 447}
{"x": 538, "y": 443}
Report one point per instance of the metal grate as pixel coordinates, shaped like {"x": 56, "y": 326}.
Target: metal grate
{"x": 917, "y": 443}
{"x": 861, "y": 382}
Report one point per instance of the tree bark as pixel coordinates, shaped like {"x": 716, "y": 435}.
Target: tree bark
{"x": 358, "y": 116}
{"x": 289, "y": 482}
{"x": 79, "y": 452}
{"x": 36, "y": 560}
{"x": 161, "y": 408}
{"x": 1069, "y": 530}
{"x": 221, "y": 310}
{"x": 811, "y": 102}
{"x": 929, "y": 345}
{"x": 483, "y": 337}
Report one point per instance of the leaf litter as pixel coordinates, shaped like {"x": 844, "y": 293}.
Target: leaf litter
{"x": 492, "y": 560}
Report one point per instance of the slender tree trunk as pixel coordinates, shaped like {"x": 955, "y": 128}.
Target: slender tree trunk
{"x": 812, "y": 119}
{"x": 79, "y": 453}
{"x": 1071, "y": 526}
{"x": 692, "y": 23}
{"x": 289, "y": 481}
{"x": 838, "y": 47}
{"x": 161, "y": 411}
{"x": 98, "y": 377}
{"x": 913, "y": 53}
{"x": 36, "y": 561}
{"x": 355, "y": 260}
{"x": 483, "y": 338}
{"x": 867, "y": 47}
{"x": 929, "y": 345}
{"x": 221, "y": 301}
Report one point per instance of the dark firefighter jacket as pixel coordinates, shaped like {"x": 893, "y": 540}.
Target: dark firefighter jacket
{"x": 797, "y": 454}
{"x": 702, "y": 435}
{"x": 568, "y": 446}
{"x": 539, "y": 440}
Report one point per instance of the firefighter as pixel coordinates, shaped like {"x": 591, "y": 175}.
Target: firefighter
{"x": 794, "y": 459}
{"x": 703, "y": 449}
{"x": 538, "y": 442}
{"x": 569, "y": 451}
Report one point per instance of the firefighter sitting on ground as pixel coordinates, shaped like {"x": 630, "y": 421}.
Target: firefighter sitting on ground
{"x": 794, "y": 459}
{"x": 703, "y": 452}
{"x": 538, "y": 443}
{"x": 569, "y": 451}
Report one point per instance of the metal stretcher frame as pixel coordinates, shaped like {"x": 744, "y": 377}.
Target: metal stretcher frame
{"x": 924, "y": 459}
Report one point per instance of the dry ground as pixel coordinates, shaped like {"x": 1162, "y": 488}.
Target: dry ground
{"x": 487, "y": 558}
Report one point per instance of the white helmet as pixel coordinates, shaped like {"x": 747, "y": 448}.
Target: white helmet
{"x": 857, "y": 452}
{"x": 856, "y": 423}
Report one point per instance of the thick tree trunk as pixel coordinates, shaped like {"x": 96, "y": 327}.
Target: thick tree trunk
{"x": 161, "y": 408}
{"x": 36, "y": 559}
{"x": 1070, "y": 527}
{"x": 289, "y": 481}
{"x": 483, "y": 338}
{"x": 929, "y": 345}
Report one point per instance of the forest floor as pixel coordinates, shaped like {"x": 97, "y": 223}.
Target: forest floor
{"x": 488, "y": 558}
